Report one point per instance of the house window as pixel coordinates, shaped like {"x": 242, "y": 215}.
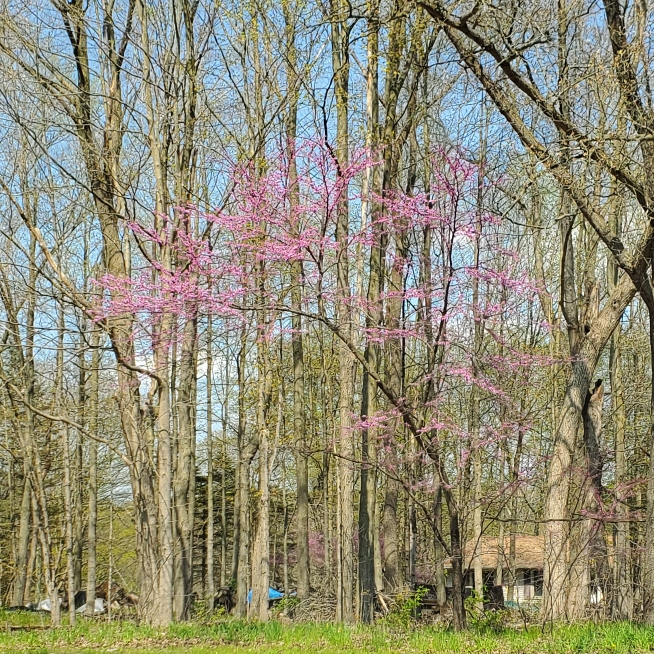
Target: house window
{"x": 533, "y": 584}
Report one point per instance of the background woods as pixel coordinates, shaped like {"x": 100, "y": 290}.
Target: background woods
{"x": 338, "y": 299}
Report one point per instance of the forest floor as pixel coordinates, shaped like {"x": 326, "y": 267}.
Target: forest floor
{"x": 229, "y": 636}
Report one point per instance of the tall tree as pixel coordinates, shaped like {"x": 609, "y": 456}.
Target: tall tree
{"x": 341, "y": 27}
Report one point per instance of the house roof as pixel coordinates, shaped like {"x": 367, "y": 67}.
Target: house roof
{"x": 528, "y": 553}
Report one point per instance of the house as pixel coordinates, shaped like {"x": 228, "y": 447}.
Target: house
{"x": 529, "y": 557}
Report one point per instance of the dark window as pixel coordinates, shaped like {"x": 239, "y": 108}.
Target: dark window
{"x": 537, "y": 576}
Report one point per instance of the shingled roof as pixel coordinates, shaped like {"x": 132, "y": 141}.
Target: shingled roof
{"x": 528, "y": 553}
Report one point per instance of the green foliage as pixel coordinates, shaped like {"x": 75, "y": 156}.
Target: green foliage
{"x": 490, "y": 621}
{"x": 473, "y": 601}
{"x": 481, "y": 620}
{"x": 286, "y": 605}
{"x": 232, "y": 636}
{"x": 405, "y": 609}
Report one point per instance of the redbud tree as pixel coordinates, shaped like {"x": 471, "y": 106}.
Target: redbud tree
{"x": 450, "y": 273}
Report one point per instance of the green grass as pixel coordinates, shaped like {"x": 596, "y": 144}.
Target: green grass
{"x": 238, "y": 637}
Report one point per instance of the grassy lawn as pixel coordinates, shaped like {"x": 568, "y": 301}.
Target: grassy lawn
{"x": 233, "y": 636}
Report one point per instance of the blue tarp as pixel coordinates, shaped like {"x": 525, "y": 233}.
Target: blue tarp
{"x": 272, "y": 595}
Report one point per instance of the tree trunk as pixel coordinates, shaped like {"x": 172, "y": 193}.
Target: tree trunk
{"x": 20, "y": 584}
{"x": 367, "y": 497}
{"x": 501, "y": 555}
{"x": 477, "y": 533}
{"x": 210, "y": 586}
{"x": 341, "y": 68}
{"x": 20, "y": 579}
{"x": 565, "y": 574}
{"x": 162, "y": 610}
{"x": 648, "y": 558}
{"x": 184, "y": 472}
{"x": 260, "y": 549}
{"x": 391, "y": 563}
{"x": 367, "y": 534}
{"x": 623, "y": 595}
{"x": 239, "y": 516}
{"x": 475, "y": 418}
{"x": 326, "y": 518}
{"x": 31, "y": 564}
{"x": 247, "y": 450}
{"x": 285, "y": 527}
{"x": 372, "y": 356}
{"x": 439, "y": 553}
{"x": 78, "y": 509}
{"x": 43, "y": 531}
{"x": 91, "y": 567}
{"x": 79, "y": 473}
{"x": 412, "y": 530}
{"x": 513, "y": 524}
{"x": 459, "y": 621}
{"x": 223, "y": 493}
{"x": 302, "y": 570}
{"x": 302, "y": 467}
{"x": 68, "y": 521}
{"x": 244, "y": 529}
{"x": 556, "y": 533}
{"x": 597, "y": 548}
{"x": 555, "y": 570}
{"x": 261, "y": 546}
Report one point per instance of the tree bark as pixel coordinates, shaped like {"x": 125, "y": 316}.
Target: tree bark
{"x": 340, "y": 41}
{"x": 623, "y": 598}
{"x": 261, "y": 546}
{"x": 162, "y": 609}
{"x": 302, "y": 568}
{"x": 68, "y": 521}
{"x": 184, "y": 472}
{"x": 372, "y": 355}
{"x": 248, "y": 448}
{"x": 240, "y": 517}
{"x": 210, "y": 585}
{"x": 260, "y": 549}
{"x": 439, "y": 569}
{"x": 555, "y": 571}
{"x": 597, "y": 548}
{"x": 223, "y": 492}
{"x": 24, "y": 531}
{"x": 648, "y": 558}
{"x": 78, "y": 468}
{"x": 391, "y": 561}
{"x": 475, "y": 418}
{"x": 91, "y": 566}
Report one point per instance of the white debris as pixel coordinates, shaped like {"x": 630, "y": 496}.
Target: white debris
{"x": 99, "y": 606}
{"x": 45, "y": 605}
